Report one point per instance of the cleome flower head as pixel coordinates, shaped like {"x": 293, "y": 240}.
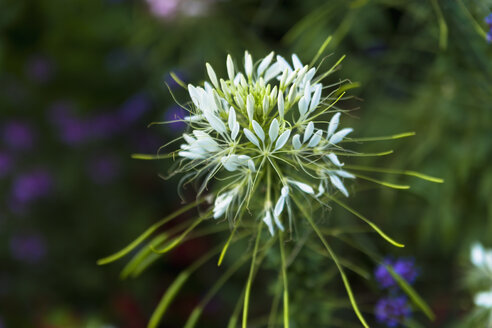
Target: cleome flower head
{"x": 262, "y": 124}
{"x": 265, "y": 144}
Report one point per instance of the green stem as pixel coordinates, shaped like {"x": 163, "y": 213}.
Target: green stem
{"x": 346, "y": 283}
{"x": 284, "y": 278}
{"x": 250, "y": 277}
{"x": 148, "y": 232}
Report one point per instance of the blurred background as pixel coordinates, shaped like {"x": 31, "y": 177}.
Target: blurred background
{"x": 80, "y": 81}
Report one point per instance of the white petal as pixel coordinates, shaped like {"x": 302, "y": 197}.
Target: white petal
{"x": 251, "y": 137}
{"x": 212, "y": 76}
{"x": 272, "y": 72}
{"x": 215, "y": 122}
{"x": 296, "y": 142}
{"x": 292, "y": 94}
{"x": 303, "y": 106}
{"x": 283, "y": 63}
{"x": 265, "y": 63}
{"x": 283, "y": 78}
{"x": 208, "y": 144}
{"x": 189, "y": 139}
{"x": 315, "y": 139}
{"x": 266, "y": 105}
{"x": 291, "y": 77}
{"x": 344, "y": 174}
{"x": 303, "y": 187}
{"x": 251, "y": 165}
{"x": 273, "y": 94}
{"x": 278, "y": 223}
{"x": 229, "y": 163}
{"x": 281, "y": 105}
{"x": 332, "y": 127}
{"x": 235, "y": 130}
{"x": 248, "y": 64}
{"x": 337, "y": 137}
{"x": 279, "y": 207}
{"x": 477, "y": 255}
{"x": 282, "y": 140}
{"x": 239, "y": 101}
{"x": 268, "y": 221}
{"x": 273, "y": 131}
{"x": 484, "y": 299}
{"x": 237, "y": 79}
{"x": 338, "y": 184}
{"x": 334, "y": 159}
{"x": 307, "y": 92}
{"x": 194, "y": 95}
{"x": 250, "y": 106}
{"x": 243, "y": 158}
{"x": 192, "y": 118}
{"x": 232, "y": 118}
{"x": 309, "y": 130}
{"x": 230, "y": 67}
{"x": 191, "y": 155}
{"x": 296, "y": 61}
{"x": 310, "y": 74}
{"x": 284, "y": 191}
{"x": 258, "y": 130}
{"x": 316, "y": 98}
{"x": 222, "y": 202}
{"x": 321, "y": 190}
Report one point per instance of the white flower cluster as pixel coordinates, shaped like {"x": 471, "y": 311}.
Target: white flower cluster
{"x": 482, "y": 259}
{"x": 264, "y": 120}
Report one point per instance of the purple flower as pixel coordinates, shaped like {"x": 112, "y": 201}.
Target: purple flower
{"x": 173, "y": 115}
{"x": 104, "y": 125}
{"x": 29, "y": 248}
{"x": 488, "y": 20}
{"x": 104, "y": 170}
{"x": 404, "y": 267}
{"x": 134, "y": 108}
{"x": 39, "y": 69}
{"x": 489, "y": 36}
{"x": 6, "y": 163}
{"x": 392, "y": 311}
{"x": 163, "y": 8}
{"x": 31, "y": 186}
{"x": 145, "y": 142}
{"x": 18, "y": 135}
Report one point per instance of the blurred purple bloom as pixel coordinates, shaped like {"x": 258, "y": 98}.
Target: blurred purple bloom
{"x": 18, "y": 135}
{"x": 39, "y": 69}
{"x": 176, "y": 113}
{"x": 392, "y": 311}
{"x": 31, "y": 186}
{"x": 489, "y": 36}
{"x": 104, "y": 125}
{"x": 146, "y": 143}
{"x": 60, "y": 111}
{"x": 488, "y": 20}
{"x": 134, "y": 108}
{"x": 404, "y": 267}
{"x": 163, "y": 8}
{"x": 74, "y": 131}
{"x": 29, "y": 248}
{"x": 104, "y": 169}
{"x": 6, "y": 163}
